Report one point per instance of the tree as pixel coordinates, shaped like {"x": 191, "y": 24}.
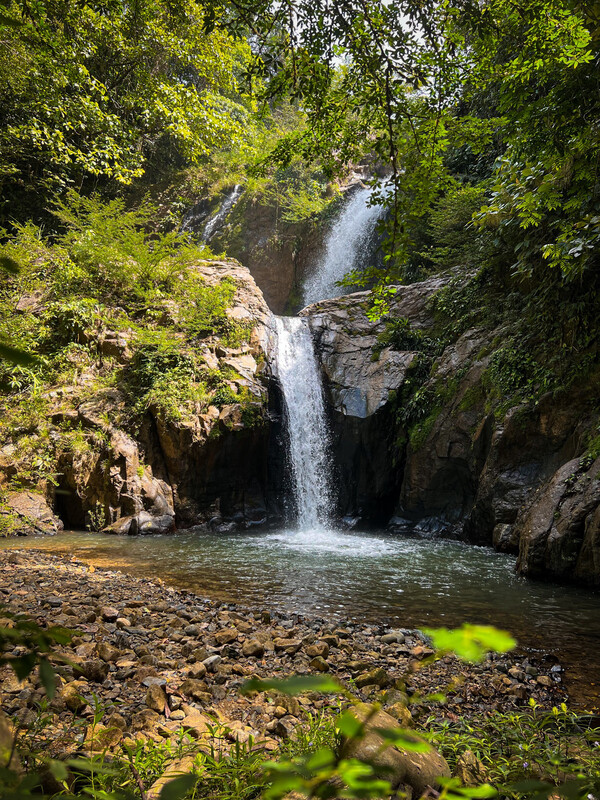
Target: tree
{"x": 417, "y": 81}
{"x": 89, "y": 90}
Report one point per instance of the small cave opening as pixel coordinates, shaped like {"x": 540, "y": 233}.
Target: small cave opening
{"x": 68, "y": 506}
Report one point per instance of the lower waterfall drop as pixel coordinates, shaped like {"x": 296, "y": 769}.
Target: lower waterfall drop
{"x": 307, "y": 428}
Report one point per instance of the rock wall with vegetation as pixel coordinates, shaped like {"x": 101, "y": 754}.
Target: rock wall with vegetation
{"x": 445, "y": 424}
{"x": 141, "y": 402}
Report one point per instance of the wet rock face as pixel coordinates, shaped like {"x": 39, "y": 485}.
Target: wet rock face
{"x": 34, "y": 512}
{"x": 559, "y": 529}
{"x": 360, "y": 383}
{"x": 359, "y": 380}
{"x": 216, "y": 463}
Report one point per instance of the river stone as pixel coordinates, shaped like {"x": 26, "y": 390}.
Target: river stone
{"x": 418, "y": 770}
{"x": 153, "y": 680}
{"x": 197, "y": 671}
{"x": 470, "y": 770}
{"x": 193, "y": 688}
{"x": 109, "y": 614}
{"x": 252, "y": 648}
{"x": 70, "y": 696}
{"x": 94, "y": 670}
{"x": 99, "y": 737}
{"x": 182, "y": 766}
{"x": 290, "y": 646}
{"x": 393, "y": 637}
{"x": 319, "y": 664}
{"x": 400, "y": 713}
{"x": 156, "y": 699}
{"x": 320, "y": 648}
{"x": 107, "y": 652}
{"x": 144, "y": 720}
{"x": 226, "y": 636}
{"x": 195, "y": 722}
{"x": 283, "y": 727}
{"x": 376, "y": 677}
{"x": 212, "y": 662}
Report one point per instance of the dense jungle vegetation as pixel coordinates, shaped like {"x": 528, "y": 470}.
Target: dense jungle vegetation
{"x": 483, "y": 117}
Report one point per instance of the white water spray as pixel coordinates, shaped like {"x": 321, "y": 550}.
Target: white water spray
{"x": 307, "y": 428}
{"x": 346, "y": 247}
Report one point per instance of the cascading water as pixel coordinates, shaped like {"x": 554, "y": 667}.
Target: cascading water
{"x": 346, "y": 247}
{"x": 307, "y": 428}
{"x": 192, "y": 219}
{"x": 215, "y": 222}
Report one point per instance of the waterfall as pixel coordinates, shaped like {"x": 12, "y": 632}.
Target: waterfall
{"x": 215, "y": 222}
{"x": 346, "y": 247}
{"x": 307, "y": 428}
{"x": 193, "y": 216}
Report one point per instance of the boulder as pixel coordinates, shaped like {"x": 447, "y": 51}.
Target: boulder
{"x": 559, "y": 530}
{"x": 417, "y": 770}
{"x": 470, "y": 770}
{"x": 34, "y": 510}
{"x": 181, "y": 766}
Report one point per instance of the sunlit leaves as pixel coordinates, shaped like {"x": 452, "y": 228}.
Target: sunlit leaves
{"x": 471, "y": 642}
{"x": 98, "y": 87}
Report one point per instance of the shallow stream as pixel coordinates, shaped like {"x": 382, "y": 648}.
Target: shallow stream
{"x": 371, "y": 577}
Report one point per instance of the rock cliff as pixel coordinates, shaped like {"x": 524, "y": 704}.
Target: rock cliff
{"x": 432, "y": 454}
{"x": 200, "y": 462}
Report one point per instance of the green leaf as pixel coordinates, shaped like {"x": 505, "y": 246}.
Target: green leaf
{"x": 322, "y": 759}
{"x": 298, "y": 684}
{"x": 349, "y": 726}
{"x": 47, "y": 677}
{"x": 178, "y": 787}
{"x": 471, "y": 642}
{"x": 58, "y": 769}
{"x": 23, "y": 665}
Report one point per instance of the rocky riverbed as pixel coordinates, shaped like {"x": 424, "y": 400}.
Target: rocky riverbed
{"x": 160, "y": 660}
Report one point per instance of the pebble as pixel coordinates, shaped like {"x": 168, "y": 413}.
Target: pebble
{"x": 164, "y": 657}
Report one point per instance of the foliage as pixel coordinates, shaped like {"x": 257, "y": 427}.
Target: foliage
{"x": 110, "y": 274}
{"x": 398, "y": 334}
{"x": 514, "y": 376}
{"x": 35, "y": 645}
{"x": 91, "y": 92}
{"x": 454, "y": 241}
{"x": 471, "y": 642}
{"x": 554, "y": 746}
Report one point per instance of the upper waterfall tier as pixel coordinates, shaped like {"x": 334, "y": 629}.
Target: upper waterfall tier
{"x": 347, "y": 247}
